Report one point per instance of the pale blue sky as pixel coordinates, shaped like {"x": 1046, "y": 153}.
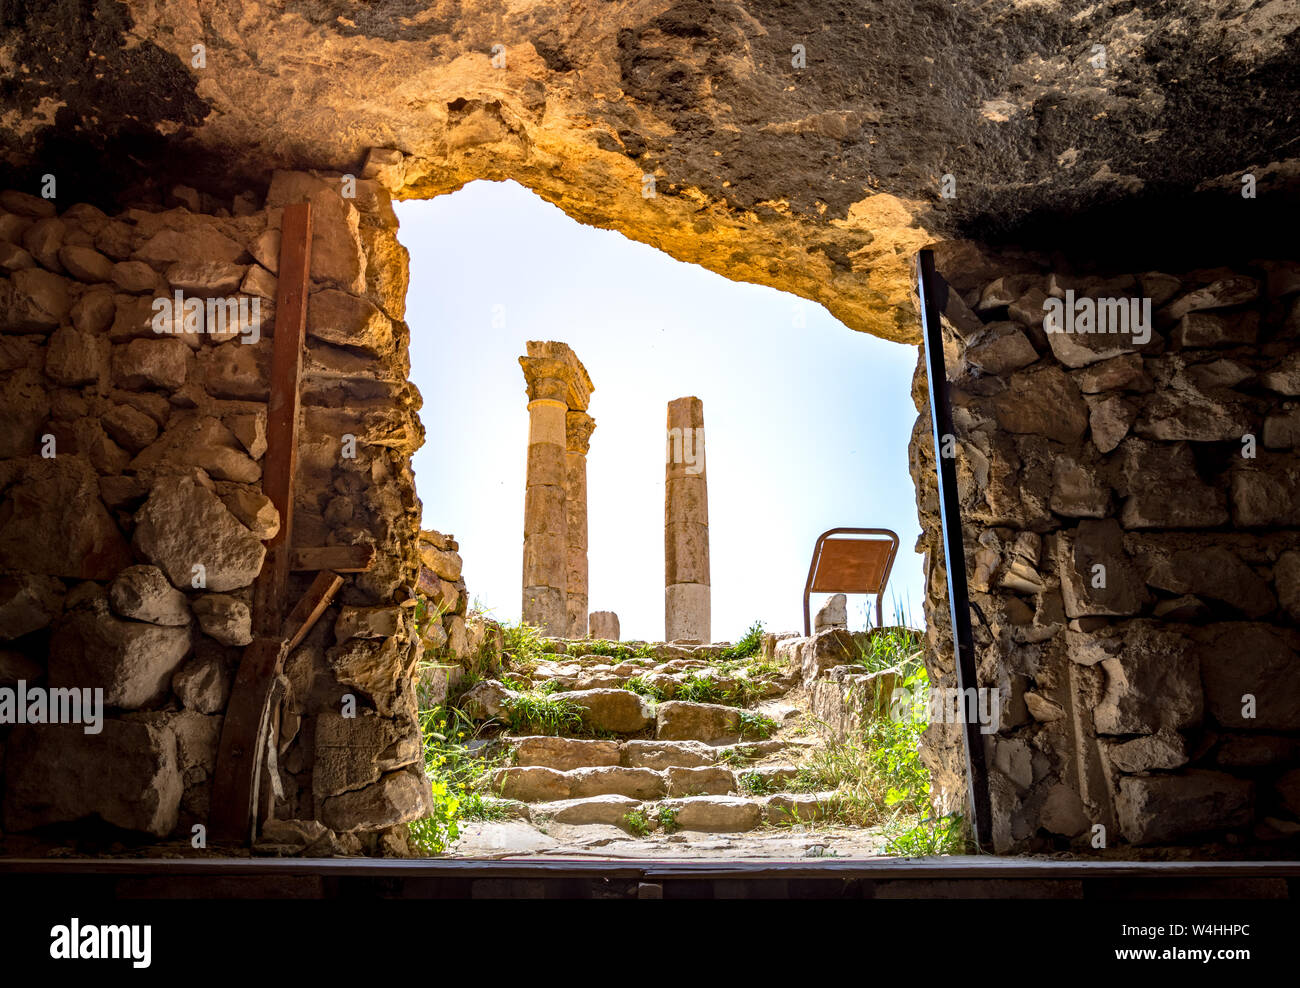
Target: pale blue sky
{"x": 807, "y": 426}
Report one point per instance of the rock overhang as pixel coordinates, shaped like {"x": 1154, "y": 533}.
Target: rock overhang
{"x": 820, "y": 178}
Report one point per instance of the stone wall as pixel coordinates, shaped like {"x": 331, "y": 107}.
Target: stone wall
{"x": 1131, "y": 514}
{"x": 132, "y": 520}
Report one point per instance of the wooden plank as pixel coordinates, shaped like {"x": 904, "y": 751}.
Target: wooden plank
{"x": 336, "y": 558}
{"x": 238, "y": 755}
{"x": 271, "y": 588}
{"x": 309, "y": 609}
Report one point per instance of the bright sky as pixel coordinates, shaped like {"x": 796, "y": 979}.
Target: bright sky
{"x": 807, "y": 424}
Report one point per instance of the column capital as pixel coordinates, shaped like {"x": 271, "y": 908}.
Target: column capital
{"x": 578, "y": 427}
{"x": 553, "y": 370}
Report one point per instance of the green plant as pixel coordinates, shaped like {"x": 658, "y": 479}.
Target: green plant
{"x": 637, "y": 822}
{"x": 637, "y": 684}
{"x": 755, "y": 725}
{"x": 667, "y": 817}
{"x": 534, "y": 712}
{"x": 930, "y": 836}
{"x": 700, "y": 687}
{"x": 756, "y": 784}
{"x": 750, "y": 643}
{"x": 523, "y": 643}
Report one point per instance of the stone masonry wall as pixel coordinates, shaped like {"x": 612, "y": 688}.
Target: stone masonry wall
{"x": 1131, "y": 514}
{"x": 132, "y": 517}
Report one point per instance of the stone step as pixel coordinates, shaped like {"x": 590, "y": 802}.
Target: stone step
{"x": 534, "y": 783}
{"x": 565, "y": 754}
{"x": 667, "y": 679}
{"x": 611, "y": 809}
{"x": 714, "y": 813}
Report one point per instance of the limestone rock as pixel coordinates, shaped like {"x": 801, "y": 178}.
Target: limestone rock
{"x": 130, "y": 427}
{"x": 832, "y": 614}
{"x": 336, "y": 256}
{"x": 128, "y": 775}
{"x": 367, "y": 622}
{"x": 143, "y": 594}
{"x": 1219, "y": 294}
{"x": 1043, "y": 402}
{"x": 704, "y": 780}
{"x": 637, "y": 783}
{"x": 55, "y": 523}
{"x": 354, "y": 752}
{"x": 1252, "y": 676}
{"x": 195, "y": 440}
{"x": 255, "y": 511}
{"x": 1163, "y": 750}
{"x": 1216, "y": 573}
{"x": 1097, "y": 576}
{"x": 615, "y": 710}
{"x": 667, "y": 754}
{"x": 28, "y": 602}
{"x": 398, "y": 797}
{"x": 1153, "y": 682}
{"x": 717, "y": 814}
{"x": 203, "y": 683}
{"x": 75, "y": 358}
{"x": 142, "y": 364}
{"x": 1286, "y": 578}
{"x": 183, "y": 525}
{"x": 1166, "y": 808}
{"x": 610, "y": 809}
{"x": 564, "y": 754}
{"x": 205, "y": 279}
{"x": 485, "y": 700}
{"x": 86, "y": 263}
{"x": 530, "y": 783}
{"x": 603, "y": 625}
{"x": 225, "y": 618}
{"x": 131, "y": 661}
{"x": 33, "y": 301}
{"x": 711, "y": 723}
{"x": 346, "y": 320}
{"x": 1001, "y": 349}
{"x": 373, "y": 666}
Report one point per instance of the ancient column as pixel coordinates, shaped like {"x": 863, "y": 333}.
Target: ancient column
{"x": 686, "y": 525}
{"x": 579, "y": 426}
{"x": 557, "y": 383}
{"x": 604, "y": 625}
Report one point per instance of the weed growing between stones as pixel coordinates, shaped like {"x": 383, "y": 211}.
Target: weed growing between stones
{"x": 534, "y": 712}
{"x": 637, "y": 822}
{"x": 756, "y": 727}
{"x": 618, "y": 650}
{"x": 749, "y": 645}
{"x": 638, "y": 684}
{"x": 667, "y": 817}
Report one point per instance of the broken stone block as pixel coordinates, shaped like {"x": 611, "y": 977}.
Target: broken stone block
{"x": 225, "y": 618}
{"x": 398, "y": 797}
{"x": 1217, "y": 295}
{"x": 85, "y": 263}
{"x": 1165, "y": 808}
{"x": 198, "y": 242}
{"x": 1203, "y": 329}
{"x": 203, "y": 682}
{"x": 131, "y": 661}
{"x": 372, "y": 666}
{"x": 832, "y": 614}
{"x": 183, "y": 525}
{"x": 1045, "y": 402}
{"x": 603, "y": 625}
{"x": 1097, "y": 576}
{"x": 128, "y": 775}
{"x": 1000, "y": 349}
{"x": 205, "y": 279}
{"x": 130, "y": 428}
{"x": 55, "y": 523}
{"x": 150, "y": 364}
{"x": 28, "y": 602}
{"x": 33, "y": 301}
{"x": 716, "y": 814}
{"x": 1265, "y": 491}
{"x": 195, "y": 440}
{"x": 1186, "y": 414}
{"x": 143, "y": 594}
{"x": 1077, "y": 490}
{"x": 336, "y": 254}
{"x": 1164, "y": 750}
{"x": 354, "y": 752}
{"x": 346, "y": 320}
{"x": 74, "y": 358}
{"x": 1213, "y": 572}
{"x": 254, "y": 510}
{"x": 1282, "y": 431}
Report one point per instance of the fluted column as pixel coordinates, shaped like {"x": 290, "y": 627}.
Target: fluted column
{"x": 579, "y": 426}
{"x": 686, "y": 525}
{"x": 557, "y": 383}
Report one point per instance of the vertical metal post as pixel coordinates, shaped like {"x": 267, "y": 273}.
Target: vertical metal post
{"x": 933, "y": 295}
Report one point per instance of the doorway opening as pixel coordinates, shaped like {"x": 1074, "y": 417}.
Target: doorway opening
{"x": 674, "y": 706}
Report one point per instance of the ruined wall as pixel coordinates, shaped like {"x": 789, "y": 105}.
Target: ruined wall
{"x": 132, "y": 517}
{"x": 1131, "y": 514}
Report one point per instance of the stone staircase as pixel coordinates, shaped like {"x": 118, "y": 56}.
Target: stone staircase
{"x": 654, "y": 766}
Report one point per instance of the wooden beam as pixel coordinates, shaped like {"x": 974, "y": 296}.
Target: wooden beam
{"x": 242, "y": 732}
{"x": 309, "y": 609}
{"x": 238, "y": 757}
{"x": 338, "y": 558}
{"x": 271, "y": 589}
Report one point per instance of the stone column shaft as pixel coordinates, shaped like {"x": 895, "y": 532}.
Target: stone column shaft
{"x": 686, "y": 525}
{"x": 578, "y": 440}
